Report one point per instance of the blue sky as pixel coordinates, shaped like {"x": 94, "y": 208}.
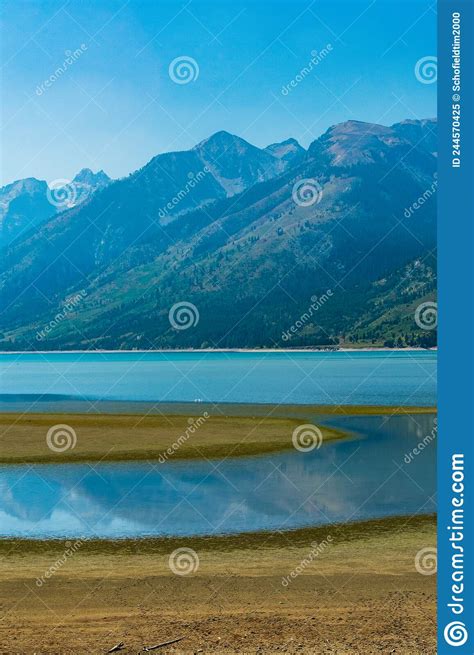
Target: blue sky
{"x": 115, "y": 106}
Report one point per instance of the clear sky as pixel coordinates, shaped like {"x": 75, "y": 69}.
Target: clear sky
{"x": 114, "y": 106}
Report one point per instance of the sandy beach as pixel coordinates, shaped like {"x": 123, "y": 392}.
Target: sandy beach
{"x": 360, "y": 593}
{"x": 212, "y": 431}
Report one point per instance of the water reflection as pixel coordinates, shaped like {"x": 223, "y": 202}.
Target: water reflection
{"x": 353, "y": 480}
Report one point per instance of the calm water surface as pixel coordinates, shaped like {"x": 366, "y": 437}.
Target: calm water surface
{"x": 365, "y": 477}
{"x": 369, "y": 378}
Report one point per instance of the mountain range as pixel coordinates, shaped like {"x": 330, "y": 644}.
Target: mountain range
{"x": 26, "y": 203}
{"x": 270, "y": 247}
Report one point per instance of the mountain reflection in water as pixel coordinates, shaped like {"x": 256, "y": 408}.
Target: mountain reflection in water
{"x": 356, "y": 479}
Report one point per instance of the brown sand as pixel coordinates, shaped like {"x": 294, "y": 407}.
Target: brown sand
{"x": 215, "y": 431}
{"x": 360, "y": 595}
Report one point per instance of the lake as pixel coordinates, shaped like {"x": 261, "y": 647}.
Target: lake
{"x": 372, "y": 475}
{"x": 341, "y": 378}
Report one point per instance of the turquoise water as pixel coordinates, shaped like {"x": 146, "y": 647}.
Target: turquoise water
{"x": 370, "y": 378}
{"x": 371, "y": 476}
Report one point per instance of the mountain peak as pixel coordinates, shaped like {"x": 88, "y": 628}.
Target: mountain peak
{"x": 220, "y": 140}
{"x": 417, "y": 121}
{"x": 86, "y": 176}
{"x": 27, "y": 184}
{"x": 421, "y": 133}
{"x": 352, "y": 127}
{"x": 288, "y": 151}
{"x": 223, "y": 135}
{"x": 291, "y": 142}
{"x": 357, "y": 142}
{"x": 235, "y": 163}
{"x": 23, "y": 205}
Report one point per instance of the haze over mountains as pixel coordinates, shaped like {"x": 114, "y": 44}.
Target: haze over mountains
{"x": 249, "y": 236}
{"x": 26, "y": 203}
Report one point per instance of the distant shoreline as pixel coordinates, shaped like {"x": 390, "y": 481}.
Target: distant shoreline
{"x": 217, "y": 350}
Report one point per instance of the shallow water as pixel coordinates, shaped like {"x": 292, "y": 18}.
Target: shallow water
{"x": 366, "y": 378}
{"x": 369, "y": 476}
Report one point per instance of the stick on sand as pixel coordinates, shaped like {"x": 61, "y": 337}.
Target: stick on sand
{"x": 164, "y": 643}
